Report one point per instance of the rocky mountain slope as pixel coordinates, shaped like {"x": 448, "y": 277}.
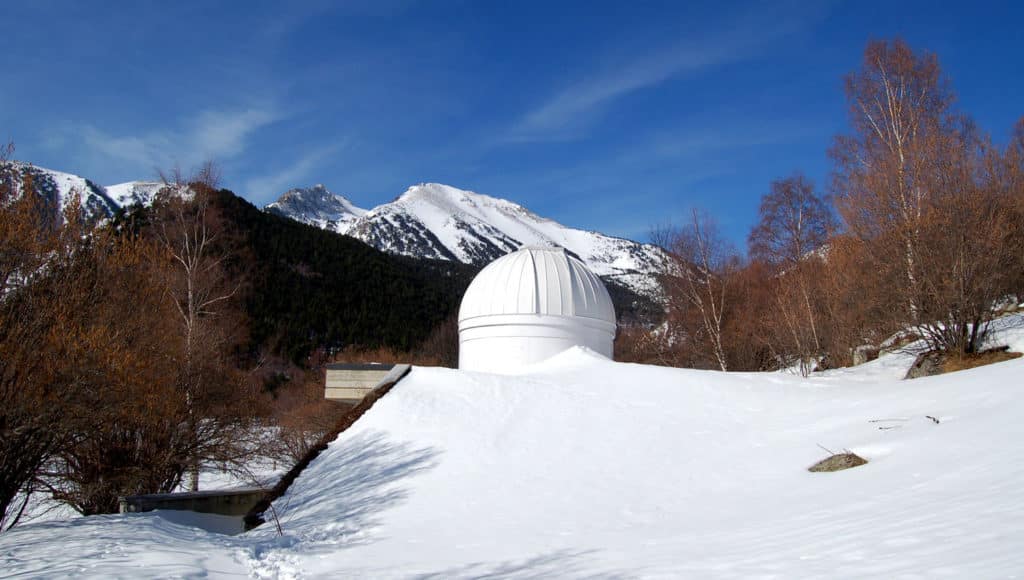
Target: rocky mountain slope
{"x": 437, "y": 221}
{"x": 59, "y": 189}
{"x": 318, "y": 207}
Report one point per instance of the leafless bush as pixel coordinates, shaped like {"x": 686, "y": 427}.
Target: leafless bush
{"x": 697, "y": 287}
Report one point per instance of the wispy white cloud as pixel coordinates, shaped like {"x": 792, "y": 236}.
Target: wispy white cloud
{"x": 571, "y": 111}
{"x": 263, "y": 189}
{"x": 216, "y": 134}
{"x": 689, "y": 143}
{"x": 210, "y": 135}
{"x": 660, "y": 173}
{"x": 152, "y": 150}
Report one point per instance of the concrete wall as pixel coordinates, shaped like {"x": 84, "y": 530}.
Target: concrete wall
{"x": 228, "y": 502}
{"x": 349, "y": 383}
{"x": 217, "y": 511}
{"x": 224, "y": 502}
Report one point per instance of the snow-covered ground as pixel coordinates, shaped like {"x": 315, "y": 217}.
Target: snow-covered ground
{"x": 586, "y": 468}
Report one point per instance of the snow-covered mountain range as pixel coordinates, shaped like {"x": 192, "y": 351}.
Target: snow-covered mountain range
{"x": 432, "y": 220}
{"x": 429, "y": 220}
{"x": 97, "y": 201}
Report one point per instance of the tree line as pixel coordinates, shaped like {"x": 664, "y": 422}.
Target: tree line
{"x": 923, "y": 232}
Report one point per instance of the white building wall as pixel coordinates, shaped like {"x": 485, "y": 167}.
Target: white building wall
{"x": 506, "y": 344}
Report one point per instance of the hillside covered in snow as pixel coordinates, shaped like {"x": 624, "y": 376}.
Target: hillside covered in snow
{"x": 432, "y": 220}
{"x": 97, "y": 201}
{"x": 581, "y": 467}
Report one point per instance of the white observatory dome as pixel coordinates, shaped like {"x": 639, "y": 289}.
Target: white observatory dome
{"x": 529, "y": 305}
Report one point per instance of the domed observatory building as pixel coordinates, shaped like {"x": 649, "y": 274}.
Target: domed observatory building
{"x": 530, "y": 305}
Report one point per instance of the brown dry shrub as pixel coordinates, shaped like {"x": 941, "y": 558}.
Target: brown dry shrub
{"x": 748, "y": 333}
{"x": 301, "y": 427}
{"x": 857, "y": 309}
{"x": 970, "y": 361}
{"x": 441, "y": 347}
{"x": 385, "y": 355}
{"x": 302, "y": 414}
{"x": 636, "y": 344}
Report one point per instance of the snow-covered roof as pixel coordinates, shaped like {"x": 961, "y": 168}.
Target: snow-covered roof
{"x": 537, "y": 280}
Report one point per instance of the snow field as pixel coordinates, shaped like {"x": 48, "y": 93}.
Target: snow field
{"x": 581, "y": 467}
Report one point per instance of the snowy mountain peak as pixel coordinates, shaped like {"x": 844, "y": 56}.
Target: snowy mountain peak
{"x": 459, "y": 201}
{"x": 59, "y": 188}
{"x": 441, "y": 193}
{"x": 317, "y": 206}
{"x": 134, "y": 192}
{"x": 433, "y": 220}
{"x": 98, "y": 202}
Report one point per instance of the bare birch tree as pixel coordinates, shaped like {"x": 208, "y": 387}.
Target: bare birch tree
{"x": 899, "y": 109}
{"x": 697, "y": 287}
{"x": 791, "y": 236}
{"x": 194, "y": 241}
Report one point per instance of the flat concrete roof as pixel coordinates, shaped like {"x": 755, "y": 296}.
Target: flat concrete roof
{"x": 359, "y": 367}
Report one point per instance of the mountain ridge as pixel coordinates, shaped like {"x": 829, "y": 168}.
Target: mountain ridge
{"x": 437, "y": 221}
{"x": 317, "y": 206}
{"x": 58, "y": 188}
{"x": 428, "y": 220}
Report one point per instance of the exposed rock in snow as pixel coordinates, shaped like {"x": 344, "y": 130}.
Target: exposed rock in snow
{"x": 317, "y": 206}
{"x": 838, "y": 462}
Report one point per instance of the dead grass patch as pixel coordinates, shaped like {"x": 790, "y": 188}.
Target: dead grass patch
{"x": 970, "y": 361}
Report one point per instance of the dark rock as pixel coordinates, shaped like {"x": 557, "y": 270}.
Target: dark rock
{"x": 864, "y": 353}
{"x": 927, "y": 364}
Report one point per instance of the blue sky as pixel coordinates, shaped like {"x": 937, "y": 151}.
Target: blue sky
{"x": 614, "y": 116}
